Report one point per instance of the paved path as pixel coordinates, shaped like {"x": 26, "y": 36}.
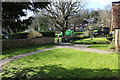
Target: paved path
{"x": 60, "y": 45}
{"x": 83, "y": 47}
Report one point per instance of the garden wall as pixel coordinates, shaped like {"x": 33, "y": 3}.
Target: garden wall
{"x": 17, "y": 43}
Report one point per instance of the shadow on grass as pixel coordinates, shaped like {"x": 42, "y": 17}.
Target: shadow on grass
{"x": 96, "y": 46}
{"x": 57, "y": 71}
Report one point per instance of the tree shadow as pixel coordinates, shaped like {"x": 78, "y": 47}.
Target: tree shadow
{"x": 61, "y": 72}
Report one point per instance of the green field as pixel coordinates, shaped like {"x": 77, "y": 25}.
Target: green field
{"x": 63, "y": 63}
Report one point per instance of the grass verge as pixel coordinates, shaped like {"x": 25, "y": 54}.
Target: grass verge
{"x": 100, "y": 46}
{"x": 63, "y": 63}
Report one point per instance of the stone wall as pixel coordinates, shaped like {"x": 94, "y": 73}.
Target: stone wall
{"x": 17, "y": 43}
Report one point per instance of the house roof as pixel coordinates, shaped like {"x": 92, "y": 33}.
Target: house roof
{"x": 115, "y": 2}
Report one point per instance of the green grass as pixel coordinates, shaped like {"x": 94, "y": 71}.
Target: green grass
{"x": 20, "y": 51}
{"x": 63, "y": 63}
{"x": 100, "y": 46}
{"x": 93, "y": 41}
{"x": 60, "y": 39}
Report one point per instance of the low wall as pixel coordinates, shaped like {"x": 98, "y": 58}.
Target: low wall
{"x": 17, "y": 43}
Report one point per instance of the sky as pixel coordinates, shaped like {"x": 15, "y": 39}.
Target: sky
{"x": 92, "y": 4}
{"x": 95, "y": 4}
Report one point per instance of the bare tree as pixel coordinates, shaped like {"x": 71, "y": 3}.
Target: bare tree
{"x": 79, "y": 19}
{"x": 40, "y": 22}
{"x": 105, "y": 15}
{"x": 61, "y": 12}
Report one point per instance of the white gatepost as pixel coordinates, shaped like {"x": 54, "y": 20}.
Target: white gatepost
{"x": 117, "y": 39}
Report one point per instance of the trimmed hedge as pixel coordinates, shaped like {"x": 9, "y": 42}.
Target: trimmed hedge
{"x": 4, "y": 37}
{"x": 110, "y": 38}
{"x": 47, "y": 33}
{"x": 25, "y": 35}
{"x": 78, "y": 33}
{"x": 89, "y": 41}
{"x": 80, "y": 37}
{"x": 18, "y": 36}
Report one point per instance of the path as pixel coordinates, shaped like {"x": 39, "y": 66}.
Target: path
{"x": 83, "y": 47}
{"x": 60, "y": 45}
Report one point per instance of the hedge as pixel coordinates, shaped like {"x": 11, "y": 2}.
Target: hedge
{"x": 25, "y": 35}
{"x": 80, "y": 37}
{"x": 18, "y": 35}
{"x": 93, "y": 41}
{"x": 78, "y": 33}
{"x": 48, "y": 33}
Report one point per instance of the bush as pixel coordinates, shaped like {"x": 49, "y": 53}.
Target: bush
{"x": 89, "y": 41}
{"x": 112, "y": 45}
{"x": 34, "y": 34}
{"x": 87, "y": 33}
{"x": 18, "y": 36}
{"x": 78, "y": 33}
{"x": 24, "y": 35}
{"x": 48, "y": 33}
{"x": 110, "y": 38}
{"x": 4, "y": 37}
{"x": 78, "y": 38}
{"x": 38, "y": 37}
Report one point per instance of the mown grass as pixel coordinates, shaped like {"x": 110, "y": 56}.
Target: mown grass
{"x": 93, "y": 41}
{"x": 100, "y": 46}
{"x": 63, "y": 63}
{"x": 19, "y": 51}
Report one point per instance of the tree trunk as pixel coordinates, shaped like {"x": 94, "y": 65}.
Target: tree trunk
{"x": 74, "y": 29}
{"x": 90, "y": 34}
{"x": 64, "y": 30}
{"x": 63, "y": 35}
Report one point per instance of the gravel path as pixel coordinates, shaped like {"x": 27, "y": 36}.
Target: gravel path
{"x": 60, "y": 45}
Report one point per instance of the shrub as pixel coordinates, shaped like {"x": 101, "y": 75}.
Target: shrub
{"x": 78, "y": 33}
{"x": 110, "y": 38}
{"x": 78, "y": 38}
{"x": 112, "y": 45}
{"x": 25, "y": 35}
{"x": 4, "y": 37}
{"x": 34, "y": 34}
{"x": 87, "y": 33}
{"x": 89, "y": 41}
{"x": 18, "y": 36}
{"x": 48, "y": 33}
